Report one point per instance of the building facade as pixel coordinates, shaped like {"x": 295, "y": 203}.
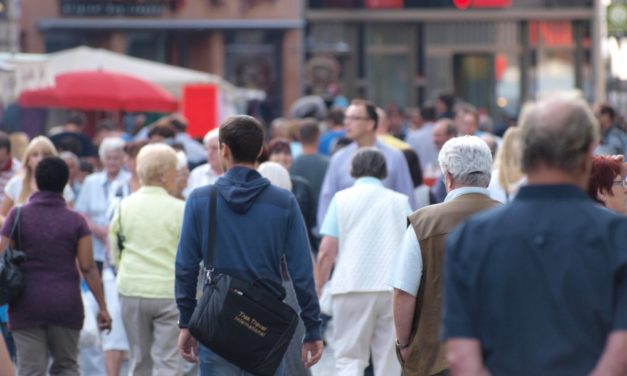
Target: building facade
{"x": 251, "y": 43}
{"x": 493, "y": 53}
{"x": 9, "y": 15}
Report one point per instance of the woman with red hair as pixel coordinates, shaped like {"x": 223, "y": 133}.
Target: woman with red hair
{"x": 607, "y": 183}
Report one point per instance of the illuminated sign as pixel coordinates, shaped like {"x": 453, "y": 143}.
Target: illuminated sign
{"x": 469, "y": 4}
{"x": 112, "y": 8}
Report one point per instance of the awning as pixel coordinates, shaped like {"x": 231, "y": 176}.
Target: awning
{"x": 166, "y": 24}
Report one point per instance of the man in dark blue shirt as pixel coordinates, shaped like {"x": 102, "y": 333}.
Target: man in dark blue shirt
{"x": 539, "y": 287}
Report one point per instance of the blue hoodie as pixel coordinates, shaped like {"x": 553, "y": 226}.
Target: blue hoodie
{"x": 257, "y": 224}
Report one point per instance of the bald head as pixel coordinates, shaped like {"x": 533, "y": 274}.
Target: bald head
{"x": 557, "y": 133}
{"x": 443, "y": 130}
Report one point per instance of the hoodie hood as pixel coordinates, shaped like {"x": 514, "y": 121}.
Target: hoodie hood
{"x": 240, "y": 187}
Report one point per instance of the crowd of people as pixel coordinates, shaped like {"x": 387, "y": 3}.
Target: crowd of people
{"x": 429, "y": 244}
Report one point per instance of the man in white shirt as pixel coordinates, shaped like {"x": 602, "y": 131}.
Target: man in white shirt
{"x": 209, "y": 172}
{"x": 466, "y": 164}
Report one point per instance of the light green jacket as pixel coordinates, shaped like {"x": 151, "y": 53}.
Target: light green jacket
{"x": 151, "y": 222}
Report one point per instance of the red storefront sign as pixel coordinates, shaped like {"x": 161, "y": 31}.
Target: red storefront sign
{"x": 383, "y": 3}
{"x": 466, "y": 4}
{"x": 200, "y": 108}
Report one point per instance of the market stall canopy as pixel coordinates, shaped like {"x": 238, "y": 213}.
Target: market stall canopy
{"x": 169, "y": 77}
{"x": 33, "y": 71}
{"x": 101, "y": 90}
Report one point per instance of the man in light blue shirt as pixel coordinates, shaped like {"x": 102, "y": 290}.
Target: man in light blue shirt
{"x": 361, "y": 123}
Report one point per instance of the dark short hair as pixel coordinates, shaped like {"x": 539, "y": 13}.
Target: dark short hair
{"x": 369, "y": 162}
{"x": 106, "y": 125}
{"x": 86, "y": 166}
{"x": 165, "y": 131}
{"x": 336, "y": 116}
{"x": 608, "y": 110}
{"x": 52, "y": 174}
{"x": 448, "y": 99}
{"x": 279, "y": 145}
{"x": 178, "y": 124}
{"x": 413, "y": 162}
{"x": 76, "y": 118}
{"x": 604, "y": 170}
{"x": 244, "y": 136}
{"x": 132, "y": 148}
{"x": 309, "y": 131}
{"x": 428, "y": 113}
{"x": 371, "y": 110}
{"x": 5, "y": 142}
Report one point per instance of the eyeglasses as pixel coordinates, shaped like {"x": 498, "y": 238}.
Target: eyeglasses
{"x": 619, "y": 182}
{"x": 356, "y": 118}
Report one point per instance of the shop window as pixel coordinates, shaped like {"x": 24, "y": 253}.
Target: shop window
{"x": 62, "y": 40}
{"x": 329, "y": 65}
{"x": 390, "y": 71}
{"x": 147, "y": 45}
{"x": 552, "y": 56}
{"x": 253, "y": 61}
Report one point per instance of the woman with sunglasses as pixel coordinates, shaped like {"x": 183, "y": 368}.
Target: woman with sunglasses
{"x": 607, "y": 183}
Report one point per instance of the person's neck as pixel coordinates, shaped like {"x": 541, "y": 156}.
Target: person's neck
{"x": 552, "y": 176}
{"x": 240, "y": 164}
{"x": 366, "y": 140}
{"x": 455, "y": 186}
{"x": 111, "y": 175}
{"x": 216, "y": 170}
{"x": 309, "y": 149}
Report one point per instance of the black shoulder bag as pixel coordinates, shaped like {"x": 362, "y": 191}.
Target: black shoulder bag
{"x": 11, "y": 277}
{"x": 243, "y": 322}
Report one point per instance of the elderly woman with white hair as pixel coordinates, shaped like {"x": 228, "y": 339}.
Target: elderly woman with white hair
{"x": 95, "y": 199}
{"x": 362, "y": 230}
{"x": 144, "y": 236}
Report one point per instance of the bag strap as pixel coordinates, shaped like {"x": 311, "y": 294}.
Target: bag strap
{"x": 213, "y": 200}
{"x": 120, "y": 235}
{"x": 16, "y": 227}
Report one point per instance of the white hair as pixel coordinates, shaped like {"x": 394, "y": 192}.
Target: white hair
{"x": 181, "y": 160}
{"x": 69, "y": 155}
{"x": 110, "y": 144}
{"x": 277, "y": 174}
{"x": 214, "y": 133}
{"x": 468, "y": 159}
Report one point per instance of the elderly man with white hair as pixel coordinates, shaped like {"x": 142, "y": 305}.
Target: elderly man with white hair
{"x": 209, "y": 172}
{"x": 466, "y": 163}
{"x": 97, "y": 196}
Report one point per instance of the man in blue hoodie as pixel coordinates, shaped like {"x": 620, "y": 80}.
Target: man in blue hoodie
{"x": 258, "y": 223}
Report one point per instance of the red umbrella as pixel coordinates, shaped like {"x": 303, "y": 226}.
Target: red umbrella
{"x": 101, "y": 90}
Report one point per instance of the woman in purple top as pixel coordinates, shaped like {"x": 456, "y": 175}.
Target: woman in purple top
{"x": 48, "y": 316}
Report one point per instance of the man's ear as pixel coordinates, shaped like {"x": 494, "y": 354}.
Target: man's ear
{"x": 224, "y": 150}
{"x": 448, "y": 180}
{"x": 374, "y": 126}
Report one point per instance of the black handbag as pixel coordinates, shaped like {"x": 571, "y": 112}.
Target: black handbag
{"x": 11, "y": 277}
{"x": 243, "y": 322}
